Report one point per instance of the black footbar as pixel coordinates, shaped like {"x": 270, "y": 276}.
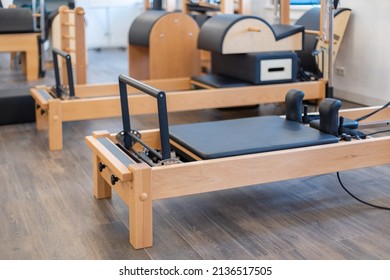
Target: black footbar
{"x": 62, "y": 91}
{"x": 128, "y": 137}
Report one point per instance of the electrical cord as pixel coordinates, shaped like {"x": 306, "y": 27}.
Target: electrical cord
{"x": 358, "y": 199}
{"x": 378, "y": 132}
{"x": 373, "y": 133}
{"x": 372, "y": 113}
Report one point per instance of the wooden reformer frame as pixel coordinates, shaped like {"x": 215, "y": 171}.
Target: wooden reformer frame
{"x": 102, "y": 101}
{"x": 138, "y": 184}
{"x": 28, "y": 45}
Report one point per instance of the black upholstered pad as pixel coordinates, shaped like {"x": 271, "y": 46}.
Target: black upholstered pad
{"x": 282, "y": 31}
{"x": 142, "y": 26}
{"x": 246, "y": 136}
{"x": 16, "y": 20}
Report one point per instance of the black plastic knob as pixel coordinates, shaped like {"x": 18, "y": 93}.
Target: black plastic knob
{"x": 114, "y": 179}
{"x": 101, "y": 166}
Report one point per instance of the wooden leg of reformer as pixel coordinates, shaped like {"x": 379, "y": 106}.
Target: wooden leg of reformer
{"x": 31, "y": 65}
{"x": 55, "y": 124}
{"x": 101, "y": 189}
{"x": 41, "y": 119}
{"x": 140, "y": 207}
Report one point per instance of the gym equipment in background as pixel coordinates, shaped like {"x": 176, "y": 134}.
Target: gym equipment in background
{"x": 163, "y": 45}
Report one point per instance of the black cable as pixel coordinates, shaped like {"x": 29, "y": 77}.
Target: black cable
{"x": 377, "y": 132}
{"x": 372, "y": 113}
{"x": 373, "y": 133}
{"x": 358, "y": 199}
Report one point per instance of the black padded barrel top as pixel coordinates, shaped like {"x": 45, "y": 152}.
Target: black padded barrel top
{"x": 142, "y": 26}
{"x": 213, "y": 31}
{"x": 16, "y": 20}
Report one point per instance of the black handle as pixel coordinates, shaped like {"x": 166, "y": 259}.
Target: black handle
{"x": 329, "y": 116}
{"x": 69, "y": 72}
{"x": 293, "y": 102}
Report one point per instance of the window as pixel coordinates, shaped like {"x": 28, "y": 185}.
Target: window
{"x": 305, "y": 2}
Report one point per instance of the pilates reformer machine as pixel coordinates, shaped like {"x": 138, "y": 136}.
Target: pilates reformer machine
{"x": 186, "y": 159}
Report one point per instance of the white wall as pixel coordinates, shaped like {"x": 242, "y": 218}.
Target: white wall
{"x": 6, "y": 3}
{"x": 108, "y": 22}
{"x": 364, "y": 54}
{"x": 258, "y": 7}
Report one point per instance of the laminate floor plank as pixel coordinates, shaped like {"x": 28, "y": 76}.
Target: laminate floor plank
{"x": 169, "y": 244}
{"x": 205, "y": 237}
{"x": 111, "y": 242}
{"x": 28, "y": 248}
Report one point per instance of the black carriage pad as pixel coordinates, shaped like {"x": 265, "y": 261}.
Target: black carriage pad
{"x": 210, "y": 140}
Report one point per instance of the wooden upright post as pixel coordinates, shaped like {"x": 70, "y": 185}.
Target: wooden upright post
{"x": 80, "y": 48}
{"x": 73, "y": 41}
{"x": 244, "y": 7}
{"x": 227, "y": 6}
{"x": 146, "y": 4}
{"x": 285, "y": 12}
{"x": 55, "y": 124}
{"x": 322, "y": 18}
{"x": 184, "y": 6}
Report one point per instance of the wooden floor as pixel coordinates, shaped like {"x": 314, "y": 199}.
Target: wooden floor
{"x": 47, "y": 208}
